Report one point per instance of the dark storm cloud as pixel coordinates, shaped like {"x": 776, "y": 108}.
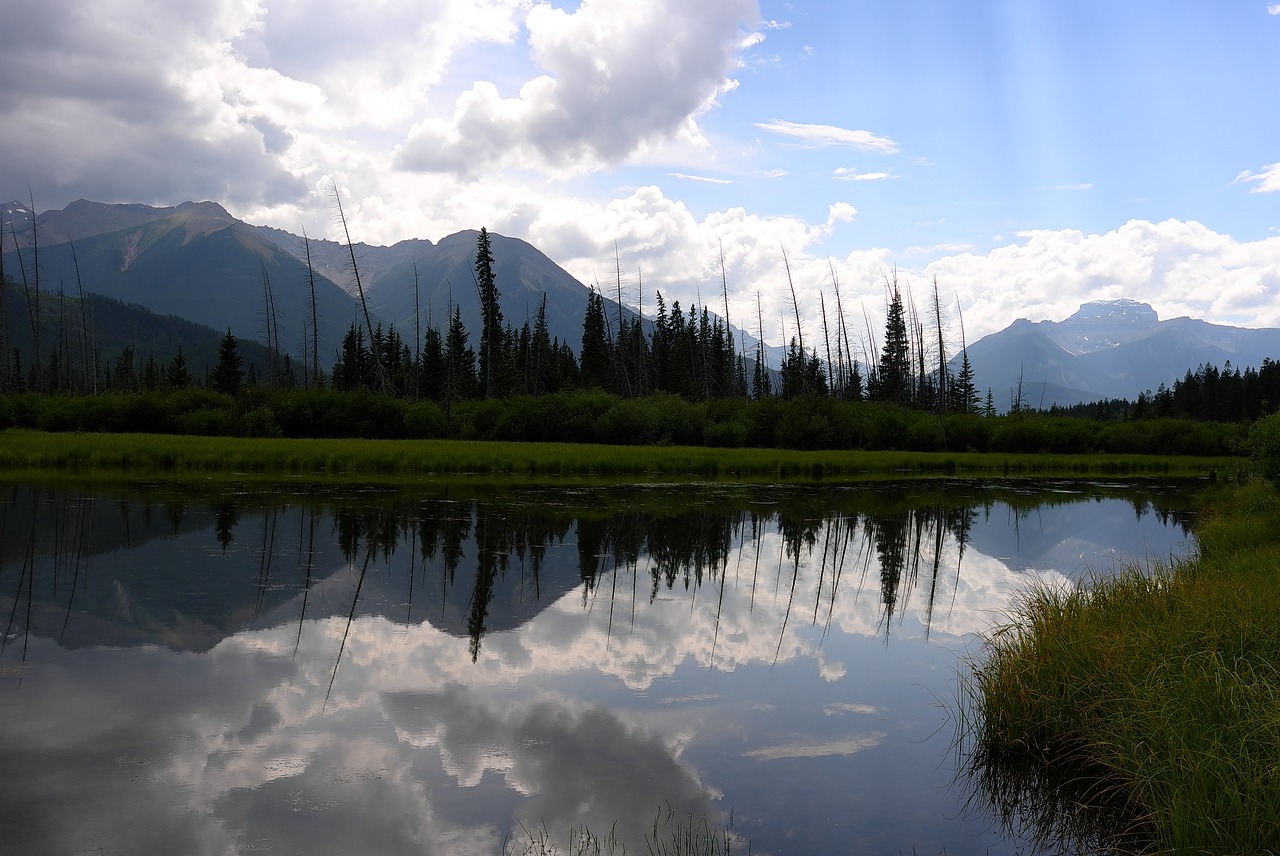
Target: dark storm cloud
{"x": 128, "y": 102}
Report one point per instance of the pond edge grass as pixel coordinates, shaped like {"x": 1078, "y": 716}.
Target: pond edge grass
{"x": 1157, "y": 689}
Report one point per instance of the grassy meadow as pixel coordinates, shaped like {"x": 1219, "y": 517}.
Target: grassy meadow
{"x": 25, "y": 452}
{"x": 1154, "y": 695}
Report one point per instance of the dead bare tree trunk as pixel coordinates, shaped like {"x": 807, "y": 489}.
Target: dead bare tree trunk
{"x": 795, "y": 305}
{"x": 622, "y": 329}
{"x": 826, "y": 338}
{"x": 5, "y": 356}
{"x": 417, "y": 334}
{"x": 88, "y": 355}
{"x": 364, "y": 305}
{"x": 315, "y": 319}
{"x": 942, "y": 354}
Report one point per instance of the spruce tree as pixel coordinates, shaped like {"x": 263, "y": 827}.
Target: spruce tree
{"x": 176, "y": 373}
{"x": 492, "y": 342}
{"x": 595, "y": 356}
{"x": 228, "y": 374}
{"x": 893, "y": 380}
{"x": 460, "y": 360}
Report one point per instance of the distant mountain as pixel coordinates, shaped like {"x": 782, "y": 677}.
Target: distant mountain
{"x": 193, "y": 261}
{"x": 196, "y": 261}
{"x": 445, "y": 277}
{"x": 1107, "y": 349}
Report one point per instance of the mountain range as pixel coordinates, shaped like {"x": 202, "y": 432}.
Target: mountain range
{"x": 198, "y": 262}
{"x": 1107, "y": 349}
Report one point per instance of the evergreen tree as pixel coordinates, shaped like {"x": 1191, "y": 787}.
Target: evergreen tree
{"x": 460, "y": 360}
{"x": 176, "y": 374}
{"x": 962, "y": 392}
{"x": 352, "y": 368}
{"x": 540, "y": 354}
{"x": 151, "y": 377}
{"x": 893, "y": 380}
{"x": 492, "y": 341}
{"x": 431, "y": 366}
{"x": 125, "y": 378}
{"x": 595, "y": 358}
{"x": 228, "y": 374}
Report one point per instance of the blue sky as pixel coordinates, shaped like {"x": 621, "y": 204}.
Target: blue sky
{"x": 1028, "y": 155}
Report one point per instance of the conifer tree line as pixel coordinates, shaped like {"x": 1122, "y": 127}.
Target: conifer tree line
{"x": 687, "y": 352}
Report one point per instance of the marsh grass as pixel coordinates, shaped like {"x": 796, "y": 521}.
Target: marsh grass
{"x": 1154, "y": 695}
{"x": 156, "y": 455}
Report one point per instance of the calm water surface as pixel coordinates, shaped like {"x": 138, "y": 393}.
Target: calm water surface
{"x": 455, "y": 669}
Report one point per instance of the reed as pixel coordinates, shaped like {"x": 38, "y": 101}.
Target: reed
{"x": 161, "y": 456}
{"x": 1154, "y": 694}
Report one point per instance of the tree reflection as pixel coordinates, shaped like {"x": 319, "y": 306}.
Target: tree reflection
{"x": 486, "y": 562}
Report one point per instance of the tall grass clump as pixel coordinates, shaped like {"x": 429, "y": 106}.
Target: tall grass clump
{"x": 1150, "y": 700}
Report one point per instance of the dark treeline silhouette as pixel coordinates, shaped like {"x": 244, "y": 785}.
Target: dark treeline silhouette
{"x": 685, "y": 352}
{"x": 1207, "y": 394}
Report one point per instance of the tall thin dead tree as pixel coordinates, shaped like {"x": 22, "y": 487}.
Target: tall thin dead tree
{"x": 88, "y": 346}
{"x": 826, "y": 338}
{"x": 36, "y": 369}
{"x": 417, "y": 334}
{"x": 315, "y": 317}
{"x": 622, "y": 334}
{"x": 5, "y": 356}
{"x": 272, "y": 324}
{"x": 942, "y": 353}
{"x": 795, "y": 305}
{"x": 364, "y": 304}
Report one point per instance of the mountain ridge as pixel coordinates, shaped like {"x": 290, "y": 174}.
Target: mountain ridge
{"x": 1107, "y": 349}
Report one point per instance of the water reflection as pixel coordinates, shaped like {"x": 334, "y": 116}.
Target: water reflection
{"x": 382, "y": 671}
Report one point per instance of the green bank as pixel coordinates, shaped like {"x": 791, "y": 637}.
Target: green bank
{"x": 1142, "y": 712}
{"x": 157, "y": 456}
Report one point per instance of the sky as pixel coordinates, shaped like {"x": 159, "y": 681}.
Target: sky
{"x": 1028, "y": 155}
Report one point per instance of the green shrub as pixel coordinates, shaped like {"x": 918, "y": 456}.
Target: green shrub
{"x": 259, "y": 422}
{"x": 424, "y": 420}
{"x": 1264, "y": 446}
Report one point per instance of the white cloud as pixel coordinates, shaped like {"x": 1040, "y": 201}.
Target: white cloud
{"x": 1265, "y": 181}
{"x": 702, "y": 178}
{"x": 618, "y": 76}
{"x": 848, "y": 174}
{"x": 1273, "y": 9}
{"x": 830, "y": 135}
{"x": 1179, "y": 267}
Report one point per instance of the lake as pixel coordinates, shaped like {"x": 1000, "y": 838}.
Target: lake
{"x": 468, "y": 669}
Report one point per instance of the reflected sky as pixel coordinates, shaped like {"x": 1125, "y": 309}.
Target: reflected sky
{"x": 439, "y": 674}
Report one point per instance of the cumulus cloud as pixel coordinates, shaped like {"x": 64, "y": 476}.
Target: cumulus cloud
{"x": 830, "y": 135}
{"x": 1179, "y": 267}
{"x": 617, "y": 76}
